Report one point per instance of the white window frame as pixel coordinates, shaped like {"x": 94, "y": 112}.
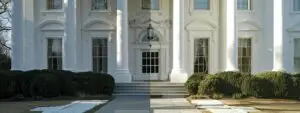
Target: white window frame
{"x": 209, "y": 6}
{"x": 151, "y": 10}
{"x": 107, "y": 54}
{"x": 208, "y": 54}
{"x": 294, "y": 56}
{"x": 53, "y": 9}
{"x": 195, "y": 12}
{"x": 251, "y": 65}
{"x": 293, "y": 7}
{"x": 250, "y": 7}
{"x": 47, "y": 55}
{"x": 100, "y": 10}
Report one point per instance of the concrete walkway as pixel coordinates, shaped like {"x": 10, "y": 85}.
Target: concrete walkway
{"x": 143, "y": 104}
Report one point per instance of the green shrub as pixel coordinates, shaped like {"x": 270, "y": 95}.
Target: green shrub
{"x": 95, "y": 83}
{"x": 281, "y": 82}
{"x": 191, "y": 85}
{"x": 211, "y": 85}
{"x": 24, "y": 80}
{"x": 66, "y": 81}
{"x": 45, "y": 85}
{"x": 295, "y": 91}
{"x": 7, "y": 84}
{"x": 233, "y": 81}
{"x": 258, "y": 87}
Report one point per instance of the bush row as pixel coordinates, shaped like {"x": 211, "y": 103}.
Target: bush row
{"x": 236, "y": 84}
{"x": 46, "y": 83}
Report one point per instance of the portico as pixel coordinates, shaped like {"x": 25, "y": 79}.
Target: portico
{"x": 186, "y": 37}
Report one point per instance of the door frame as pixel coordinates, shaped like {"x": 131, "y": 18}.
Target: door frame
{"x": 163, "y": 62}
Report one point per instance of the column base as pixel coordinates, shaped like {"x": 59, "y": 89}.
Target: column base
{"x": 232, "y": 69}
{"x": 279, "y": 69}
{"x": 178, "y": 76}
{"x": 123, "y": 76}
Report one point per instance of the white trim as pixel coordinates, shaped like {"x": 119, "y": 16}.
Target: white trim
{"x": 250, "y": 7}
{"x": 193, "y": 10}
{"x": 108, "y": 10}
{"x": 291, "y": 4}
{"x": 151, "y": 10}
{"x": 213, "y": 50}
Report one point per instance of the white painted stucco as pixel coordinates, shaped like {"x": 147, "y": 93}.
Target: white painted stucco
{"x": 176, "y": 23}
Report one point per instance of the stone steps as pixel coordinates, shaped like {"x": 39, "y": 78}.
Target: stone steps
{"x": 151, "y": 89}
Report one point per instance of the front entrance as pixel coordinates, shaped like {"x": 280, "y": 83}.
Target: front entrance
{"x": 149, "y": 64}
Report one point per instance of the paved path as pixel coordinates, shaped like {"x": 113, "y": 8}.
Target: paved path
{"x": 143, "y": 104}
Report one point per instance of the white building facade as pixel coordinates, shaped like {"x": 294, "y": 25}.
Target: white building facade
{"x": 186, "y": 36}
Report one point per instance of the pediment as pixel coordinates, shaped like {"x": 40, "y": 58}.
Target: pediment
{"x": 294, "y": 28}
{"x": 201, "y": 26}
{"x": 51, "y": 25}
{"x": 248, "y": 26}
{"x": 98, "y": 24}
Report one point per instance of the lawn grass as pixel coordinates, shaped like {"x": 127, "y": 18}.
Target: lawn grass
{"x": 26, "y": 106}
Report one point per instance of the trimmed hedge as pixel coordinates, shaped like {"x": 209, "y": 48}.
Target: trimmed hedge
{"x": 258, "y": 87}
{"x": 45, "y": 85}
{"x": 193, "y": 82}
{"x": 233, "y": 81}
{"x": 87, "y": 81}
{"x": 7, "y": 85}
{"x": 282, "y": 83}
{"x": 295, "y": 91}
{"x": 49, "y": 83}
{"x": 237, "y": 85}
{"x": 211, "y": 85}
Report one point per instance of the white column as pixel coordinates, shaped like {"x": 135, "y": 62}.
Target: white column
{"x": 280, "y": 42}
{"x": 178, "y": 73}
{"x": 70, "y": 36}
{"x": 28, "y": 35}
{"x": 122, "y": 72}
{"x": 16, "y": 35}
{"x": 231, "y": 36}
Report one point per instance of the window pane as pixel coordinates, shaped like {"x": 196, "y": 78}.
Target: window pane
{"x": 243, "y": 4}
{"x": 201, "y": 4}
{"x": 296, "y": 5}
{"x": 150, "y": 4}
{"x": 54, "y": 54}
{"x": 54, "y": 4}
{"x": 100, "y": 61}
{"x": 244, "y": 55}
{"x": 99, "y": 5}
{"x": 201, "y": 56}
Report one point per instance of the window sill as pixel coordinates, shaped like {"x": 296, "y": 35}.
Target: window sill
{"x": 209, "y": 12}
{"x": 245, "y": 11}
{"x": 99, "y": 11}
{"x": 295, "y": 12}
{"x": 60, "y": 11}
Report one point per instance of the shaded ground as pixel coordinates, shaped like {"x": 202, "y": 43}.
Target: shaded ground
{"x": 145, "y": 104}
{"x": 24, "y": 107}
{"x": 267, "y": 105}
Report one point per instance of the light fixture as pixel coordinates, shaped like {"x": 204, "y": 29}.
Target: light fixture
{"x": 150, "y": 36}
